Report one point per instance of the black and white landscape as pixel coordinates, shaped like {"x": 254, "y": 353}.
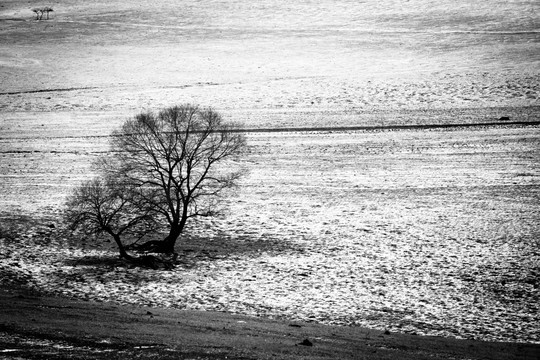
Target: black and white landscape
{"x": 392, "y": 175}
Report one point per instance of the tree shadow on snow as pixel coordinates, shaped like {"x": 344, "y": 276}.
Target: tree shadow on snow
{"x": 105, "y": 261}
{"x": 226, "y": 246}
{"x": 192, "y": 250}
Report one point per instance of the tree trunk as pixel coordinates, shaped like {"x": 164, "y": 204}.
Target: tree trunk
{"x": 170, "y": 240}
{"x": 165, "y": 246}
{"x": 121, "y": 248}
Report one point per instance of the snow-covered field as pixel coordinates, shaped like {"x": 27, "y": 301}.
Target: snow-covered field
{"x": 433, "y": 232}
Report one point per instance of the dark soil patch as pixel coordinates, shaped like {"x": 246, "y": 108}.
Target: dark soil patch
{"x": 37, "y": 327}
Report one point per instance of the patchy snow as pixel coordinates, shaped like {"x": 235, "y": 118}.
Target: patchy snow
{"x": 429, "y": 232}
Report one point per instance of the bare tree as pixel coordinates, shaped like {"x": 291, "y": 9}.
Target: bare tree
{"x": 47, "y": 10}
{"x": 105, "y": 206}
{"x": 38, "y": 12}
{"x": 42, "y": 10}
{"x": 171, "y": 158}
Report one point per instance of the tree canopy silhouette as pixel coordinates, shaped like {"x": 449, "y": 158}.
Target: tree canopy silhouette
{"x": 105, "y": 206}
{"x": 166, "y": 170}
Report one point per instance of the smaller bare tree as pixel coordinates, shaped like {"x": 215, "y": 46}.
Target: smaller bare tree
{"x": 104, "y": 206}
{"x": 47, "y": 10}
{"x": 38, "y": 12}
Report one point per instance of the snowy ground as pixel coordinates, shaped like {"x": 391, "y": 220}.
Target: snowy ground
{"x": 431, "y": 232}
